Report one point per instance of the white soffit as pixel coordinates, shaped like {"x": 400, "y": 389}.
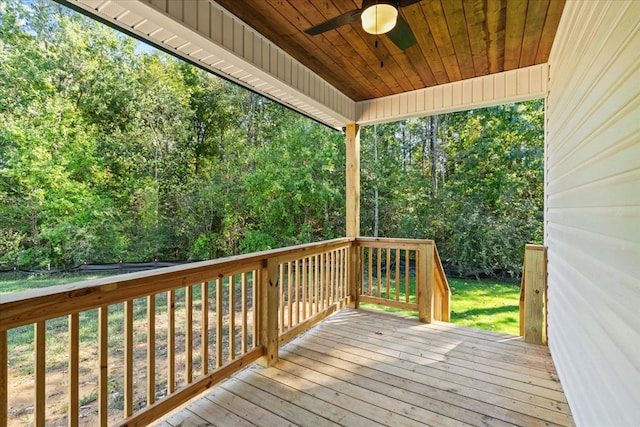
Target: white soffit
{"x": 204, "y": 33}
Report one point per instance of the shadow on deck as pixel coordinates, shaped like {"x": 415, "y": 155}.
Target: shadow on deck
{"x": 368, "y": 368}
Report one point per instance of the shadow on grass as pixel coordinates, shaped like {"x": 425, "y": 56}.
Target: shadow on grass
{"x": 485, "y": 311}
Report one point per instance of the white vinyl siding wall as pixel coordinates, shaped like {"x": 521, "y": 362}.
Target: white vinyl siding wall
{"x": 592, "y": 224}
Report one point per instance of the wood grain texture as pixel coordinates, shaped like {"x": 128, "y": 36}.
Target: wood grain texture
{"x": 367, "y": 368}
{"x": 457, "y": 39}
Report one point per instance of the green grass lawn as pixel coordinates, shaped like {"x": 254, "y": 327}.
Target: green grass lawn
{"x": 485, "y": 305}
{"x": 16, "y": 283}
{"x": 482, "y": 304}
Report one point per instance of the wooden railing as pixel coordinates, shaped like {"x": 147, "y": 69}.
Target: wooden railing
{"x": 138, "y": 345}
{"x": 405, "y": 274}
{"x": 533, "y": 291}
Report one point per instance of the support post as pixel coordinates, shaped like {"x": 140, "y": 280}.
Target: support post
{"x": 534, "y": 282}
{"x": 425, "y": 282}
{"x": 269, "y": 312}
{"x": 353, "y": 180}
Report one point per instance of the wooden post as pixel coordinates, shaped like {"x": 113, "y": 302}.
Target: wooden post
{"x": 269, "y": 312}
{"x": 425, "y": 282}
{"x": 353, "y": 180}
{"x": 534, "y": 280}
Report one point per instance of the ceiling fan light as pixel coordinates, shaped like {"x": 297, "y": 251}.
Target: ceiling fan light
{"x": 379, "y": 18}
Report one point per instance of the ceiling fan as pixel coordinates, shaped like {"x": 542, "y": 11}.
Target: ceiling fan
{"x": 377, "y": 17}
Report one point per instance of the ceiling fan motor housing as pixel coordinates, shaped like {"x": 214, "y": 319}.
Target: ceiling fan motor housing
{"x": 378, "y": 16}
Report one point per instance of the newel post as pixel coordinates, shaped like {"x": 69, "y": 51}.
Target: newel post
{"x": 268, "y": 312}
{"x": 425, "y": 285}
{"x": 533, "y": 293}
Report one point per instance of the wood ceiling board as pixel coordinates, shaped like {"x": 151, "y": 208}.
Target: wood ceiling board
{"x": 456, "y": 40}
{"x": 475, "y": 19}
{"x": 427, "y": 45}
{"x": 496, "y": 20}
{"x": 440, "y": 30}
{"x": 330, "y": 55}
{"x": 549, "y": 30}
{"x": 514, "y": 30}
{"x": 532, "y": 31}
{"x": 460, "y": 35}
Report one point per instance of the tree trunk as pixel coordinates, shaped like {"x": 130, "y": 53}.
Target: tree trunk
{"x": 376, "y": 192}
{"x": 433, "y": 141}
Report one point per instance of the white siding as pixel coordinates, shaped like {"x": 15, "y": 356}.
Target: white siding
{"x": 592, "y": 224}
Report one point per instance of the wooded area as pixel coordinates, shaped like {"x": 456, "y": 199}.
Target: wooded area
{"x": 111, "y": 151}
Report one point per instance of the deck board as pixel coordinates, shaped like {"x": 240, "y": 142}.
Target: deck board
{"x": 364, "y": 368}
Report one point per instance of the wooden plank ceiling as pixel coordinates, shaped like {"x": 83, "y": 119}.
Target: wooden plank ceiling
{"x": 457, "y": 39}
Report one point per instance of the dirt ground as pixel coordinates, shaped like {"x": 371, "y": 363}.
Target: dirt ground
{"x": 21, "y": 379}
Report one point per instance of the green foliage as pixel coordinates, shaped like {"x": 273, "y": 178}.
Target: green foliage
{"x": 478, "y": 190}
{"x": 109, "y": 152}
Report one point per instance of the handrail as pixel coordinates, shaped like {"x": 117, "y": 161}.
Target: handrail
{"x": 190, "y": 326}
{"x": 26, "y": 307}
{"x": 386, "y": 268}
{"x": 533, "y": 292}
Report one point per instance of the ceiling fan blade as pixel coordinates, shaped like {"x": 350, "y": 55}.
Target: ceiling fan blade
{"x": 404, "y": 3}
{"x": 401, "y": 35}
{"x": 333, "y": 23}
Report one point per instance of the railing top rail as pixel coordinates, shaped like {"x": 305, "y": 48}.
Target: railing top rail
{"x": 390, "y": 242}
{"x": 21, "y": 308}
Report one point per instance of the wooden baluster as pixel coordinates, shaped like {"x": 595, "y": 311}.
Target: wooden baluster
{"x": 322, "y": 284}
{"x": 281, "y": 304}
{"x": 4, "y": 377}
{"x": 289, "y": 295}
{"x": 305, "y": 287}
{"x": 219, "y": 305}
{"x": 128, "y": 358}
{"x": 151, "y": 349}
{"x": 74, "y": 367}
{"x": 245, "y": 310}
{"x": 379, "y": 270}
{"x": 387, "y": 274}
{"x": 316, "y": 283}
{"x": 171, "y": 341}
{"x": 397, "y": 277}
{"x": 407, "y": 276}
{"x": 188, "y": 306}
{"x": 297, "y": 289}
{"x": 232, "y": 318}
{"x": 103, "y": 362}
{"x": 370, "y": 272}
{"x": 255, "y": 283}
{"x": 204, "y": 348}
{"x": 40, "y": 372}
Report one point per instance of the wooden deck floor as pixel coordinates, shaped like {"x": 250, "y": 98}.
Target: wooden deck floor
{"x": 361, "y": 368}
